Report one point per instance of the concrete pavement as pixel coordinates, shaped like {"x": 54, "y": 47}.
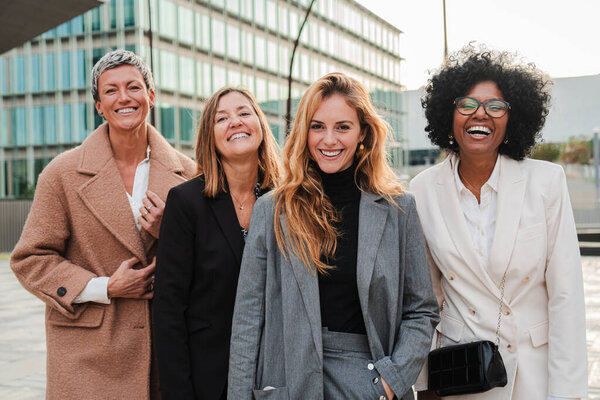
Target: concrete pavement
{"x": 23, "y": 348}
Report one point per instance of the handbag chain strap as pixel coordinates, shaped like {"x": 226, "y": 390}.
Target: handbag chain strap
{"x": 501, "y": 300}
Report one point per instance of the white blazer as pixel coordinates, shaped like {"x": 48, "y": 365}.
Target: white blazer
{"x": 542, "y": 336}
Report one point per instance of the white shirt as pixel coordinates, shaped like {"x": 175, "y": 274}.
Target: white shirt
{"x": 96, "y": 289}
{"x": 481, "y": 217}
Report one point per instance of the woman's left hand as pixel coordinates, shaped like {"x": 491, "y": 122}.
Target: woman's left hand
{"x": 151, "y": 213}
{"x": 388, "y": 391}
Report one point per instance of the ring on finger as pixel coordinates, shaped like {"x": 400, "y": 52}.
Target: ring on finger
{"x": 149, "y": 207}
{"x": 145, "y": 212}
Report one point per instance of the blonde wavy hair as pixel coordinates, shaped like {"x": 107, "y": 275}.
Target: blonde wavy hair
{"x": 300, "y": 196}
{"x": 208, "y": 160}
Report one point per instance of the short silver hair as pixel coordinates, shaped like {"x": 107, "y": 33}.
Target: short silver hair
{"x": 115, "y": 59}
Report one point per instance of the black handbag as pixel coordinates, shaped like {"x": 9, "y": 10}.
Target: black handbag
{"x": 467, "y": 368}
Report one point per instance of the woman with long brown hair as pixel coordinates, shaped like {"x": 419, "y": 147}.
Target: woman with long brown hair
{"x": 203, "y": 230}
{"x": 334, "y": 296}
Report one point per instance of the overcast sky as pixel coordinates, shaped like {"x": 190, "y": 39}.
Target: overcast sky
{"x": 560, "y": 37}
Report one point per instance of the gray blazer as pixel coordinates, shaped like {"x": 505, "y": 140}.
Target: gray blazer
{"x": 276, "y": 336}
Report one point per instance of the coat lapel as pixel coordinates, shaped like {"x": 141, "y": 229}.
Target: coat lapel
{"x": 309, "y": 289}
{"x": 447, "y": 197}
{"x": 511, "y": 192}
{"x": 166, "y": 171}
{"x": 104, "y": 194}
{"x": 371, "y": 223}
{"x": 224, "y": 213}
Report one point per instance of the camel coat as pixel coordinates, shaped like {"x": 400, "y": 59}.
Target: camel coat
{"x": 81, "y": 226}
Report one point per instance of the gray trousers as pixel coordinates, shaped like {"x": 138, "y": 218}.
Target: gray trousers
{"x": 348, "y": 370}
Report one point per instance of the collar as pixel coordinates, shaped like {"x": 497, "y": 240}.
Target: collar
{"x": 492, "y": 181}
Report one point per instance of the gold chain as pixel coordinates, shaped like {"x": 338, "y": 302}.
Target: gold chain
{"x": 241, "y": 205}
{"x": 467, "y": 181}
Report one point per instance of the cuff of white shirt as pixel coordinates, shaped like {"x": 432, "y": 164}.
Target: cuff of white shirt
{"x": 562, "y": 398}
{"x": 96, "y": 290}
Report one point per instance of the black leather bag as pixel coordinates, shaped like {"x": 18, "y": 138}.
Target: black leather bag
{"x": 474, "y": 367}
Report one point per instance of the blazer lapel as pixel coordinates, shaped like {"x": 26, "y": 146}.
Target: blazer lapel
{"x": 224, "y": 213}
{"x": 104, "y": 194}
{"x": 371, "y": 223}
{"x": 511, "y": 192}
{"x": 447, "y": 197}
{"x": 166, "y": 171}
{"x": 309, "y": 289}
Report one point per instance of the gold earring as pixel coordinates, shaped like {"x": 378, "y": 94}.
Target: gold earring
{"x": 361, "y": 150}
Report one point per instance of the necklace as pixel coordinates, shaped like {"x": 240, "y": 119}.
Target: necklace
{"x": 467, "y": 181}
{"x": 241, "y": 204}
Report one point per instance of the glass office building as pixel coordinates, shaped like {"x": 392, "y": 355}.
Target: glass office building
{"x": 194, "y": 47}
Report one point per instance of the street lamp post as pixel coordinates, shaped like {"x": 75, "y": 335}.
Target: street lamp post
{"x": 288, "y": 112}
{"x": 596, "y": 166}
{"x": 445, "y": 35}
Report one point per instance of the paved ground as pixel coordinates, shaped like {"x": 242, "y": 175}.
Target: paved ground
{"x": 22, "y": 344}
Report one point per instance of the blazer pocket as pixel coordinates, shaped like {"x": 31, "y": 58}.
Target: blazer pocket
{"x": 279, "y": 393}
{"x": 451, "y": 328}
{"x": 90, "y": 318}
{"x": 539, "y": 333}
{"x": 531, "y": 232}
{"x": 196, "y": 325}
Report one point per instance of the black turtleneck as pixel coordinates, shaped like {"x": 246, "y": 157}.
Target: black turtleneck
{"x": 338, "y": 290}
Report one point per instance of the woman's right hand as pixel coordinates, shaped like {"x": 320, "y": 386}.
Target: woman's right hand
{"x": 132, "y": 283}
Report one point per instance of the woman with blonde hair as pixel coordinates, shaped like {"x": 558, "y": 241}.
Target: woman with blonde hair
{"x": 334, "y": 297}
{"x": 203, "y": 231}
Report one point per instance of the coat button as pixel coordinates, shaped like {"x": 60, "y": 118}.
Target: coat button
{"x": 526, "y": 279}
{"x": 472, "y": 310}
{"x": 370, "y": 366}
{"x": 511, "y": 348}
{"x": 375, "y": 380}
{"x": 382, "y": 398}
{"x": 451, "y": 277}
{"x": 61, "y": 291}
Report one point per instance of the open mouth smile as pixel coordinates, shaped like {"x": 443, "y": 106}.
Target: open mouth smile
{"x": 330, "y": 153}
{"x": 238, "y": 136}
{"x": 125, "y": 111}
{"x": 479, "y": 131}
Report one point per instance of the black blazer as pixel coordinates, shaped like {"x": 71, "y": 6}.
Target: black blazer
{"x": 198, "y": 263}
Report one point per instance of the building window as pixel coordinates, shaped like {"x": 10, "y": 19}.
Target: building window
{"x": 247, "y": 47}
{"x": 219, "y": 78}
{"x": 218, "y": 36}
{"x": 66, "y": 136}
{"x": 96, "y": 19}
{"x": 18, "y": 74}
{"x": 234, "y": 78}
{"x": 233, "y": 42}
{"x": 167, "y": 121}
{"x": 247, "y": 9}
{"x": 187, "y": 81}
{"x": 49, "y": 124}
{"x": 207, "y": 82}
{"x": 18, "y": 126}
{"x": 167, "y": 15}
{"x": 113, "y": 14}
{"x": 186, "y": 25}
{"x": 168, "y": 68}
{"x": 129, "y": 12}
{"x": 272, "y": 56}
{"x": 259, "y": 12}
{"x": 37, "y": 121}
{"x": 203, "y": 31}
{"x": 35, "y": 73}
{"x": 233, "y": 6}
{"x": 81, "y": 69}
{"x": 65, "y": 69}
{"x": 260, "y": 51}
{"x": 186, "y": 124}
{"x": 19, "y": 178}
{"x": 77, "y": 25}
{"x": 82, "y": 126}
{"x": 272, "y": 15}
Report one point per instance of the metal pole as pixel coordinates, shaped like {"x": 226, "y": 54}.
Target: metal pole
{"x": 596, "y": 163}
{"x": 288, "y": 112}
{"x": 445, "y": 35}
{"x": 152, "y": 110}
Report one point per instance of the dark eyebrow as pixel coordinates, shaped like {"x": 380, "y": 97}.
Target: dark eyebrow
{"x": 237, "y": 109}
{"x": 338, "y": 122}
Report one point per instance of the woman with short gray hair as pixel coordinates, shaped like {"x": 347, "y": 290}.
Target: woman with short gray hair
{"x": 87, "y": 248}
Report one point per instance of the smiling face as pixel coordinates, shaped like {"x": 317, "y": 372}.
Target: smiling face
{"x": 479, "y": 134}
{"x": 124, "y": 98}
{"x": 334, "y": 134}
{"x": 237, "y": 129}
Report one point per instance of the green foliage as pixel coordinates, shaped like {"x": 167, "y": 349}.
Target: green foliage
{"x": 577, "y": 151}
{"x": 546, "y": 151}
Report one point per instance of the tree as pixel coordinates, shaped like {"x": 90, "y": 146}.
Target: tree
{"x": 546, "y": 151}
{"x": 578, "y": 151}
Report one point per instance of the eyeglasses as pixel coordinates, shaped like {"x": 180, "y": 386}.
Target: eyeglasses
{"x": 495, "y": 108}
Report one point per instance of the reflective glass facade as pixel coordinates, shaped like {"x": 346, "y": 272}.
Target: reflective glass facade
{"x": 196, "y": 47}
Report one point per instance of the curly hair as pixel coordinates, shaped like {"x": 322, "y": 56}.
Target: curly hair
{"x": 525, "y": 87}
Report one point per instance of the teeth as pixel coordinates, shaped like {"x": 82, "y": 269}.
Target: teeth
{"x": 125, "y": 110}
{"x": 479, "y": 130}
{"x": 331, "y": 153}
{"x": 238, "y": 136}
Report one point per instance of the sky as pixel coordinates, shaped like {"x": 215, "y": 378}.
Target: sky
{"x": 561, "y": 37}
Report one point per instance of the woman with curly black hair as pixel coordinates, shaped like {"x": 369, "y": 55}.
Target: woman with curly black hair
{"x": 499, "y": 227}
